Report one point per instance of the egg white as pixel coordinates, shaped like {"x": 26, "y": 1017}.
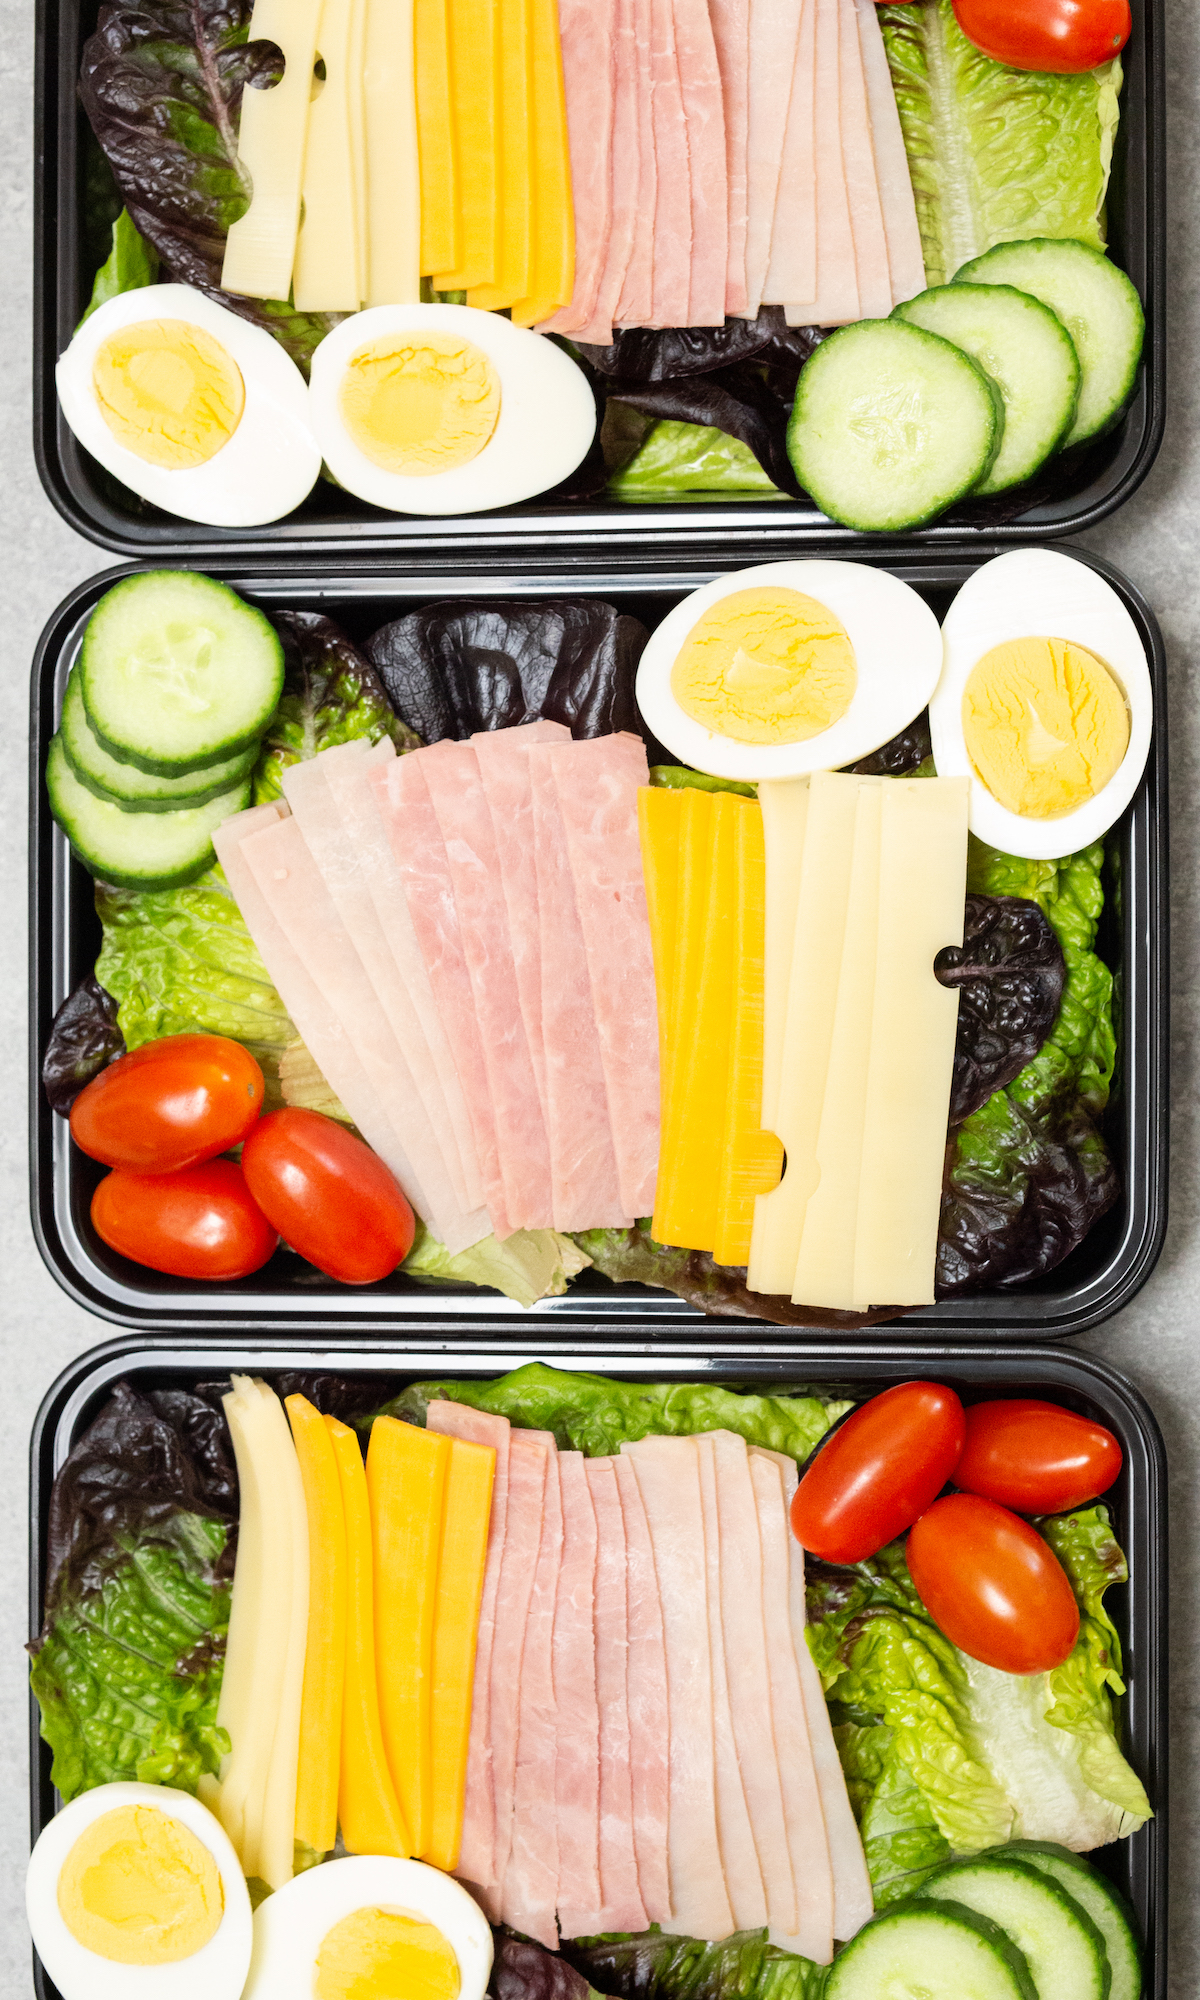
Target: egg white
{"x": 1040, "y": 593}
{"x": 897, "y": 651}
{"x": 262, "y": 472}
{"x": 291, "y": 1926}
{"x": 216, "y": 1972}
{"x": 546, "y": 424}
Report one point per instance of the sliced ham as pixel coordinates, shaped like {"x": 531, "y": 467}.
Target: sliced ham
{"x": 587, "y": 30}
{"x": 621, "y": 1908}
{"x": 739, "y": 1856}
{"x": 649, "y": 1717}
{"x": 858, "y": 163}
{"x": 802, "y": 1808}
{"x": 583, "y": 1163}
{"x": 460, "y": 804}
{"x": 478, "y": 1834}
{"x": 598, "y": 783}
{"x": 635, "y": 307}
{"x": 672, "y": 258}
{"x": 420, "y": 854}
{"x": 792, "y": 273}
{"x": 349, "y": 779}
{"x": 731, "y": 34}
{"x": 704, "y": 112}
{"x": 668, "y": 1477}
{"x": 836, "y": 297}
{"x": 522, "y": 1542}
{"x": 624, "y": 182}
{"x": 906, "y": 262}
{"x": 774, "y": 31}
{"x": 577, "y": 1753}
{"x": 531, "y": 1882}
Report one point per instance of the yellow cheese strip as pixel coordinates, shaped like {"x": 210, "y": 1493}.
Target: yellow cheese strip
{"x": 325, "y": 1650}
{"x": 553, "y": 269}
{"x": 465, "y": 1518}
{"x": 808, "y": 1028}
{"x": 660, "y": 813}
{"x": 277, "y": 1840}
{"x": 329, "y": 251}
{"x": 751, "y": 1158}
{"x": 369, "y": 1809}
{"x": 515, "y": 228}
{"x": 784, "y": 803}
{"x": 685, "y": 1208}
{"x": 435, "y": 136}
{"x": 474, "y": 60}
{"x": 825, "y": 1264}
{"x": 922, "y": 892}
{"x": 406, "y": 1482}
{"x": 261, "y": 245}
{"x": 392, "y": 172}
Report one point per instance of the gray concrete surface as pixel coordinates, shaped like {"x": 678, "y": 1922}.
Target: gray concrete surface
{"x": 1156, "y": 540}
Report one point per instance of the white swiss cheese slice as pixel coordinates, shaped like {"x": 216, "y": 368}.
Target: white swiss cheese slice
{"x": 330, "y": 247}
{"x": 784, "y": 803}
{"x": 393, "y": 185}
{"x": 261, "y": 245}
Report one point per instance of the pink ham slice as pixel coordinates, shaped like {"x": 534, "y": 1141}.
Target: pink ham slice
{"x": 792, "y": 273}
{"x": 745, "y": 1645}
{"x": 802, "y": 1808}
{"x": 522, "y": 1541}
{"x": 858, "y": 162}
{"x": 668, "y": 1477}
{"x": 583, "y": 1161}
{"x": 479, "y": 1818}
{"x": 577, "y": 1754}
{"x": 587, "y": 31}
{"x": 743, "y": 1877}
{"x": 635, "y": 307}
{"x": 531, "y": 1881}
{"x": 622, "y": 1908}
{"x": 731, "y": 34}
{"x": 906, "y": 262}
{"x": 773, "y": 33}
{"x": 836, "y": 298}
{"x": 672, "y": 258}
{"x": 349, "y": 779}
{"x": 597, "y": 784}
{"x": 852, "y": 1899}
{"x": 704, "y": 111}
{"x": 420, "y": 854}
{"x": 624, "y": 177}
{"x": 649, "y": 1717}
{"x": 460, "y": 805}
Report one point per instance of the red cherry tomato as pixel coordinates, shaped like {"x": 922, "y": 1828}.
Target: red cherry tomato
{"x": 198, "y": 1223}
{"x": 1062, "y": 36}
{"x": 328, "y": 1195}
{"x": 993, "y": 1585}
{"x": 877, "y": 1472}
{"x": 169, "y": 1104}
{"x": 1036, "y": 1457}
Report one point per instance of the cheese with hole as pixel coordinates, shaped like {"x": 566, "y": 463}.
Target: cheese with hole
{"x": 330, "y": 259}
{"x": 784, "y": 804}
{"x": 261, "y": 245}
{"x": 392, "y": 171}
{"x": 751, "y": 1158}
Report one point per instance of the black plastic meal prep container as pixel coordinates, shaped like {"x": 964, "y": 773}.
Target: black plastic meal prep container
{"x": 1087, "y": 487}
{"x": 1138, "y": 1500}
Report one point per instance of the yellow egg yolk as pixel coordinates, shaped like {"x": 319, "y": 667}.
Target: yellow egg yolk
{"x": 766, "y": 666}
{"x": 378, "y": 1954}
{"x": 1045, "y": 725}
{"x": 140, "y": 1888}
{"x": 168, "y": 392}
{"x": 418, "y": 403}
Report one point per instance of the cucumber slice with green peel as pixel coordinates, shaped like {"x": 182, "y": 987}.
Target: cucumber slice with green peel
{"x": 891, "y": 425}
{"x": 1105, "y": 1905}
{"x": 1062, "y": 1946}
{"x": 124, "y": 784}
{"x": 1029, "y": 355}
{"x": 132, "y": 850}
{"x": 178, "y": 672}
{"x": 1095, "y": 301}
{"x": 931, "y": 1952}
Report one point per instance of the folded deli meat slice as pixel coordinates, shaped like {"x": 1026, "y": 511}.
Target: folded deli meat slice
{"x": 647, "y": 1692}
{"x": 587, "y": 29}
{"x": 622, "y": 1907}
{"x": 636, "y": 303}
{"x": 530, "y": 1890}
{"x": 522, "y": 1540}
{"x": 906, "y": 263}
{"x": 858, "y": 161}
{"x": 774, "y": 32}
{"x": 673, "y": 185}
{"x": 743, "y": 1876}
{"x": 577, "y": 1754}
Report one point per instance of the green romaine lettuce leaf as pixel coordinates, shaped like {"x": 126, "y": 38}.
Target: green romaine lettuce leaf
{"x": 529, "y": 1265}
{"x": 680, "y": 778}
{"x": 632, "y": 1257}
{"x": 690, "y": 458}
{"x": 592, "y": 1414}
{"x": 655, "y": 1965}
{"x": 131, "y": 263}
{"x": 995, "y": 153}
{"x": 331, "y": 695}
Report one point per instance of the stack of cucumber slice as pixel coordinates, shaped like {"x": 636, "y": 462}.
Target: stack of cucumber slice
{"x": 1028, "y": 1921}
{"x": 161, "y": 724}
{"x": 968, "y": 388}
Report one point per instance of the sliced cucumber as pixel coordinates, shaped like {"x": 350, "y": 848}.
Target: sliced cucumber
{"x": 891, "y": 425}
{"x": 1064, "y": 1950}
{"x": 1104, "y": 1904}
{"x": 1029, "y": 355}
{"x": 1095, "y": 301}
{"x": 177, "y": 672}
{"x": 160, "y": 850}
{"x": 919, "y": 1953}
{"x": 123, "y": 784}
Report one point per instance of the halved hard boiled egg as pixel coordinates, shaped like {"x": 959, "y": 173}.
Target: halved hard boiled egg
{"x": 369, "y": 1927}
{"x": 135, "y": 1890}
{"x": 788, "y": 668}
{"x": 191, "y": 407}
{"x": 437, "y": 409}
{"x": 1044, "y": 702}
